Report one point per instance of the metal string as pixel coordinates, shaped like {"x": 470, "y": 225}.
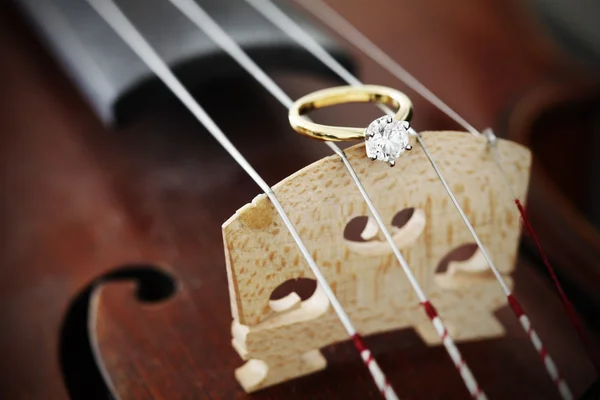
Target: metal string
{"x": 288, "y": 25}
{"x": 340, "y": 25}
{"x": 114, "y": 17}
{"x": 203, "y": 21}
{"x": 334, "y": 20}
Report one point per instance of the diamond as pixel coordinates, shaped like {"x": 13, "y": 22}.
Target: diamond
{"x": 386, "y": 139}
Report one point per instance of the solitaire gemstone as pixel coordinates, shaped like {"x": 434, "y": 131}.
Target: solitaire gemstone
{"x": 386, "y": 139}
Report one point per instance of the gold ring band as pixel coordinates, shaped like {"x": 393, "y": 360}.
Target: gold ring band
{"x": 341, "y": 95}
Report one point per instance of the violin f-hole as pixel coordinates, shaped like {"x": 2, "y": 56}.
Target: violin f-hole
{"x": 79, "y": 366}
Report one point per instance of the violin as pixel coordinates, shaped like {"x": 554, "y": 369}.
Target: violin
{"x": 123, "y": 215}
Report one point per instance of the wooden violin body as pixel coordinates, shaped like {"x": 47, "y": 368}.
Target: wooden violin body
{"x": 113, "y": 270}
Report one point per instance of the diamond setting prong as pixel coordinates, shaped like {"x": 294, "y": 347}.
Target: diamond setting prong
{"x": 386, "y": 139}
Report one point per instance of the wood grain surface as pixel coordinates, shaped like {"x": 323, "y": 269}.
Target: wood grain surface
{"x": 322, "y": 201}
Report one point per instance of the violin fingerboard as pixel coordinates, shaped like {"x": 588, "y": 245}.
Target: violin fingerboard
{"x": 118, "y": 85}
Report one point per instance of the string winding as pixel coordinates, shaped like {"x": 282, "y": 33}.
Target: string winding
{"x": 569, "y": 309}
{"x": 272, "y": 13}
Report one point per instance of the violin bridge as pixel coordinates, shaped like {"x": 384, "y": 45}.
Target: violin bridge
{"x": 281, "y": 317}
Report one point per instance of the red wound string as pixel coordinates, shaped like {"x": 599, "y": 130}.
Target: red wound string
{"x": 459, "y": 363}
{"x": 367, "y": 357}
{"x": 557, "y": 379}
{"x": 551, "y": 368}
{"x": 569, "y": 309}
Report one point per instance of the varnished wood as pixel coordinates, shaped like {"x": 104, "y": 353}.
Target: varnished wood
{"x": 79, "y": 201}
{"x": 185, "y": 366}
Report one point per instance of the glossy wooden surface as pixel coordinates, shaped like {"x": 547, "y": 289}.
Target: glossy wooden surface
{"x": 80, "y": 202}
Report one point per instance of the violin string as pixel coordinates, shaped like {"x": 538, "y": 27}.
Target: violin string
{"x": 272, "y": 13}
{"x": 114, "y": 17}
{"x": 344, "y": 28}
{"x": 567, "y": 305}
{"x": 125, "y": 29}
{"x": 204, "y": 22}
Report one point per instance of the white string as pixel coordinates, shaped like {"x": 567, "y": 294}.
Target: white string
{"x": 204, "y": 22}
{"x": 199, "y": 17}
{"x": 288, "y": 25}
{"x": 125, "y": 29}
{"x": 333, "y": 19}
{"x": 344, "y": 28}
{"x": 113, "y": 16}
{"x": 464, "y": 216}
